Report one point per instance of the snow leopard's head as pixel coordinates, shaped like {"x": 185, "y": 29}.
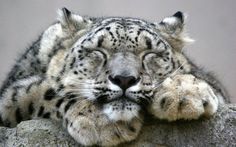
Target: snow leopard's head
{"x": 118, "y": 62}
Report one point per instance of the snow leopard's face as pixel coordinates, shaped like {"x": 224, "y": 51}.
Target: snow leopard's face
{"x": 118, "y": 63}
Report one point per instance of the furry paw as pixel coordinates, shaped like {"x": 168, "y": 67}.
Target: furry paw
{"x": 183, "y": 97}
{"x": 83, "y": 131}
{"x": 89, "y": 126}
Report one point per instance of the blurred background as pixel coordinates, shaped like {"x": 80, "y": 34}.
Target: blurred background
{"x": 211, "y": 23}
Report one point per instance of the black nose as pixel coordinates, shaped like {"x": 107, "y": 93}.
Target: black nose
{"x": 124, "y": 82}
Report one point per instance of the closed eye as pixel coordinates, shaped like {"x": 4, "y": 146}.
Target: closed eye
{"x": 156, "y": 54}
{"x": 99, "y": 53}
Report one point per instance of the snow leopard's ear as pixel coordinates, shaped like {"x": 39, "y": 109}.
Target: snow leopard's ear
{"x": 172, "y": 28}
{"x": 72, "y": 22}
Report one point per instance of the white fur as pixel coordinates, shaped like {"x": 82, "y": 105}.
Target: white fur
{"x": 48, "y": 41}
{"x": 170, "y": 20}
{"x": 123, "y": 115}
{"x": 86, "y": 90}
{"x": 25, "y": 82}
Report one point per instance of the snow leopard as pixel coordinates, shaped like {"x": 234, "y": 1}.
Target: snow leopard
{"x": 101, "y": 76}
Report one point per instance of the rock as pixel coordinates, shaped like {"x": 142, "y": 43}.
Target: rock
{"x": 35, "y": 133}
{"x": 217, "y": 131}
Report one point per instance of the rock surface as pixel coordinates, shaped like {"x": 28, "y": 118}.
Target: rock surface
{"x": 218, "y": 131}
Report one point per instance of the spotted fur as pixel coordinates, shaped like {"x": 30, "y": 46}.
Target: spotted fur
{"x": 100, "y": 76}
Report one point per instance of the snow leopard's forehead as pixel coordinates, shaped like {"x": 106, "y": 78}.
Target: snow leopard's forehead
{"x": 128, "y": 34}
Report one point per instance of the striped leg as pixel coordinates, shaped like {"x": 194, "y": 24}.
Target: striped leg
{"x": 23, "y": 99}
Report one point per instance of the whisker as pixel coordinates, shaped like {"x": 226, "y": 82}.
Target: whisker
{"x": 172, "y": 74}
{"x": 78, "y": 89}
{"x": 178, "y": 68}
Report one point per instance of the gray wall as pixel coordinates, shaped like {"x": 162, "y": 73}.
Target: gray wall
{"x": 211, "y": 23}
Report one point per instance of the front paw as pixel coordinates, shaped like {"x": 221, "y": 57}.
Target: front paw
{"x": 83, "y": 131}
{"x": 183, "y": 97}
{"x": 89, "y": 126}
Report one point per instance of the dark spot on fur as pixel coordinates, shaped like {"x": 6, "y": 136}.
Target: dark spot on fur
{"x": 71, "y": 96}
{"x": 14, "y": 95}
{"x": 160, "y": 74}
{"x": 69, "y": 104}
{"x": 7, "y": 123}
{"x": 81, "y": 58}
{"x": 181, "y": 103}
{"x": 71, "y": 124}
{"x": 173, "y": 63}
{"x": 97, "y": 31}
{"x": 131, "y": 128}
{"x": 20, "y": 73}
{"x": 158, "y": 43}
{"x": 19, "y": 116}
{"x": 1, "y": 121}
{"x": 59, "y": 102}
{"x": 47, "y": 115}
{"x": 117, "y": 135}
{"x": 72, "y": 50}
{"x": 80, "y": 113}
{"x": 49, "y": 94}
{"x": 41, "y": 110}
{"x": 58, "y": 79}
{"x": 29, "y": 87}
{"x": 75, "y": 72}
{"x": 58, "y": 114}
{"x": 44, "y": 69}
{"x": 162, "y": 103}
{"x": 205, "y": 103}
{"x": 72, "y": 62}
{"x": 31, "y": 108}
{"x": 66, "y": 122}
{"x": 60, "y": 87}
{"x": 63, "y": 69}
{"x": 67, "y": 56}
{"x": 100, "y": 41}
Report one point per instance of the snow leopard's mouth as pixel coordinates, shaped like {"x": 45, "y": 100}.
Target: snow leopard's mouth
{"x": 119, "y": 109}
{"x": 102, "y": 100}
